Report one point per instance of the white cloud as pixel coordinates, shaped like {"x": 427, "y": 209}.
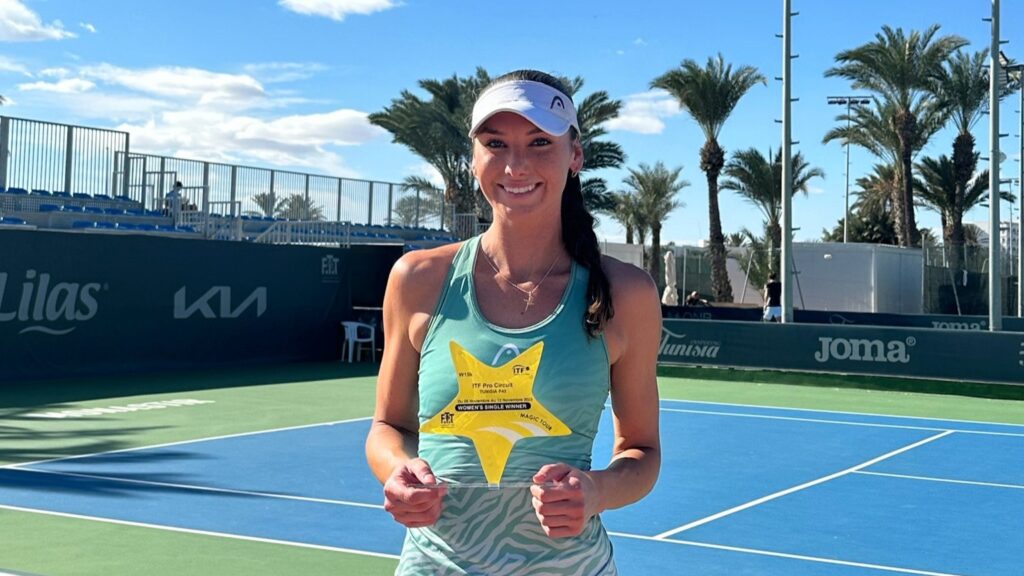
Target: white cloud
{"x": 815, "y": 190}
{"x": 55, "y": 72}
{"x": 277, "y": 72}
{"x": 203, "y": 114}
{"x": 88, "y": 27}
{"x": 9, "y": 65}
{"x": 187, "y": 84}
{"x": 643, "y": 113}
{"x": 20, "y": 24}
{"x": 337, "y": 9}
{"x": 639, "y": 42}
{"x": 66, "y": 86}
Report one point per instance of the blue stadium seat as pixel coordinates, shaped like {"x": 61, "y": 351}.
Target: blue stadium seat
{"x": 146, "y": 227}
{"x": 71, "y": 208}
{"x": 18, "y": 191}
{"x": 11, "y": 220}
{"x": 126, "y": 226}
{"x": 135, "y": 212}
{"x": 114, "y": 211}
{"x": 124, "y": 198}
{"x": 102, "y": 197}
{"x": 106, "y": 225}
{"x": 40, "y": 192}
{"x": 83, "y": 224}
{"x": 49, "y": 208}
{"x": 61, "y": 194}
{"x": 81, "y": 195}
{"x": 93, "y": 210}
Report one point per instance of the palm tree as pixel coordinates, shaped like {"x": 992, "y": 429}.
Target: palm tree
{"x": 709, "y": 95}
{"x": 938, "y": 188}
{"x": 268, "y": 204}
{"x": 626, "y": 211}
{"x": 963, "y": 88}
{"x": 655, "y": 188}
{"x": 902, "y": 70}
{"x": 759, "y": 180}
{"x": 426, "y": 205}
{"x": 298, "y": 207}
{"x": 871, "y": 216}
{"x": 436, "y": 129}
{"x": 592, "y": 112}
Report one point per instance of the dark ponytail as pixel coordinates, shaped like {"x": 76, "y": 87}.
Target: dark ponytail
{"x": 577, "y": 225}
{"x": 581, "y": 243}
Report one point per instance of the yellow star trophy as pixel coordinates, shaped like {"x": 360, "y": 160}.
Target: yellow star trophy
{"x": 495, "y": 408}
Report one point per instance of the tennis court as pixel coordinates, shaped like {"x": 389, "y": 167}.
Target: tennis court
{"x": 262, "y": 472}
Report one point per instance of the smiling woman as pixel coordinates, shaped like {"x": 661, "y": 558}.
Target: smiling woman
{"x": 500, "y": 354}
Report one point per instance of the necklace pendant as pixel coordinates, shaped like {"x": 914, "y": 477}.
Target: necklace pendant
{"x": 529, "y": 300}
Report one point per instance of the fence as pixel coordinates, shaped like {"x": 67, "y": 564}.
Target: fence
{"x": 37, "y": 155}
{"x": 75, "y": 159}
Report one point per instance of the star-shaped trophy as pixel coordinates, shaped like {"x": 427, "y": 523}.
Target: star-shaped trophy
{"x": 495, "y": 408}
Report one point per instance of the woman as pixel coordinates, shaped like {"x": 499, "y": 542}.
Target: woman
{"x": 525, "y": 307}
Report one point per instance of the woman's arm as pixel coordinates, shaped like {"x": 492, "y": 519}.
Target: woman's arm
{"x": 391, "y": 446}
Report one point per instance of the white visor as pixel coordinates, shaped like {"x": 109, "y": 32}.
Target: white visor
{"x": 546, "y": 107}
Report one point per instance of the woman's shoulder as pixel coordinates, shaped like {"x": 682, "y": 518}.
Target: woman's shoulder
{"x": 423, "y": 270}
{"x": 626, "y": 279}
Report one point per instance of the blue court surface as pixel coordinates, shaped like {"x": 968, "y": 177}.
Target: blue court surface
{"x": 743, "y": 490}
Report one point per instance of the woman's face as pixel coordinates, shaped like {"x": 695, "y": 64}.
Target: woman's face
{"x": 519, "y": 166}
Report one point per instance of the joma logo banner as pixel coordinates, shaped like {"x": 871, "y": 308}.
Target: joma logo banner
{"x": 43, "y": 301}
{"x": 221, "y": 296}
{"x": 673, "y": 344}
{"x": 864, "y": 350}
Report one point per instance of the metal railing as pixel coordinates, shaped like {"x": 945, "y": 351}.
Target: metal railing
{"x": 94, "y": 161}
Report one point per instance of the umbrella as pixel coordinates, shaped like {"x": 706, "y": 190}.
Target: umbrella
{"x": 671, "y": 295}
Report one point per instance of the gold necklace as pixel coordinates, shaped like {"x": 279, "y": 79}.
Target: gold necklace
{"x": 529, "y": 293}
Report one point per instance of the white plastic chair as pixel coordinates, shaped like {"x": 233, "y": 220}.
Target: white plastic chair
{"x": 358, "y": 335}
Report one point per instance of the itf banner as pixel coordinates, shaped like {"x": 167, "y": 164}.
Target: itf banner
{"x": 922, "y": 353}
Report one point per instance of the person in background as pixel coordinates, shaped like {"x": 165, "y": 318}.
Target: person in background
{"x": 174, "y": 202}
{"x": 531, "y": 295}
{"x": 772, "y": 299}
{"x": 694, "y": 299}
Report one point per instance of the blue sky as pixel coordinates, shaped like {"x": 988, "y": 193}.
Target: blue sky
{"x": 289, "y": 83}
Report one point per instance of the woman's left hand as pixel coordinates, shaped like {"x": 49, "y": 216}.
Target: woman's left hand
{"x": 564, "y": 498}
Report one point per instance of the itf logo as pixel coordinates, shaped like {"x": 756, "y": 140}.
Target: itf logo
{"x": 447, "y": 419}
{"x": 329, "y": 268}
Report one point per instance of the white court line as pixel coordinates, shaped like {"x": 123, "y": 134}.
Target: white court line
{"x": 204, "y": 488}
{"x": 1021, "y": 426}
{"x": 793, "y": 489}
{"x": 841, "y": 422}
{"x": 949, "y": 480}
{"x": 201, "y": 532}
{"x": 181, "y": 442}
{"x": 783, "y": 555}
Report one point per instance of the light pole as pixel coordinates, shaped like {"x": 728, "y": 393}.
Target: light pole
{"x": 1014, "y": 73}
{"x": 848, "y": 101}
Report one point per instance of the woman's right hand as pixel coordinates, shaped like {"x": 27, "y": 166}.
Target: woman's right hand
{"x": 412, "y": 494}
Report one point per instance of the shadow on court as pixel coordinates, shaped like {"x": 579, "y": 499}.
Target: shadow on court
{"x": 50, "y": 393}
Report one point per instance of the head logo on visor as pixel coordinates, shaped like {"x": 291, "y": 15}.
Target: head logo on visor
{"x": 546, "y": 107}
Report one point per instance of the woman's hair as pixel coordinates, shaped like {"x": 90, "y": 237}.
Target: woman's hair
{"x": 577, "y": 224}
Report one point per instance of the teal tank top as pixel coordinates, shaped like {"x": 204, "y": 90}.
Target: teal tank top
{"x": 495, "y": 531}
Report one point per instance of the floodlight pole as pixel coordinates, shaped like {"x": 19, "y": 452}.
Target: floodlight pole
{"x": 995, "y": 300}
{"x": 1019, "y": 69}
{"x": 849, "y": 101}
{"x": 785, "y": 261}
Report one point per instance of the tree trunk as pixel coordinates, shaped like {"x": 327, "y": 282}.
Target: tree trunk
{"x": 656, "y": 254}
{"x": 712, "y": 159}
{"x": 775, "y": 247}
{"x": 964, "y": 164}
{"x": 629, "y": 234}
{"x": 906, "y": 227}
